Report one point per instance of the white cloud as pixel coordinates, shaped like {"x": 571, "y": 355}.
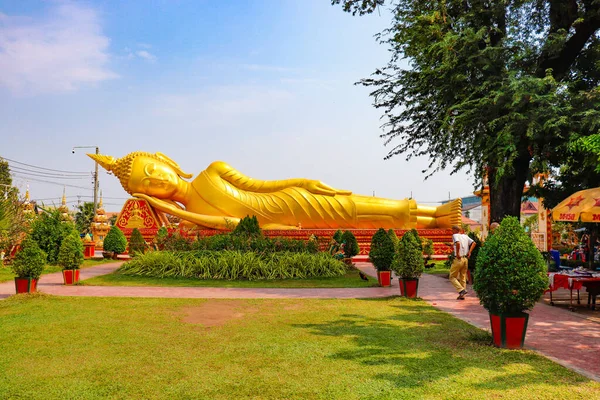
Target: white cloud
{"x": 57, "y": 53}
{"x": 146, "y": 55}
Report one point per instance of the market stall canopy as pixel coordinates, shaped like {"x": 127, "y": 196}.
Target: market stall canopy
{"x": 581, "y": 206}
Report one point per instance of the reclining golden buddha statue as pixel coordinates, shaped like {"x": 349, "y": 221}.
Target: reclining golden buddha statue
{"x": 220, "y": 196}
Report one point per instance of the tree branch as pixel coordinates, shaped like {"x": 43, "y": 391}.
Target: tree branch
{"x": 561, "y": 61}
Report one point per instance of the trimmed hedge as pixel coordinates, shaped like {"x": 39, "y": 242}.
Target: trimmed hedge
{"x": 233, "y": 265}
{"x": 227, "y": 241}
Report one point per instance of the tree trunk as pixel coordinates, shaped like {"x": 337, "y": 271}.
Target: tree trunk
{"x": 506, "y": 192}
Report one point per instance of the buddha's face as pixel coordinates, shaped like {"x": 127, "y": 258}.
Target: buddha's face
{"x": 153, "y": 177}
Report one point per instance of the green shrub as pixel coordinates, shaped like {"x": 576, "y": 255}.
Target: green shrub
{"x": 427, "y": 245}
{"x": 409, "y": 263}
{"x": 161, "y": 237}
{"x": 337, "y": 236}
{"x": 248, "y": 226}
{"x": 382, "y": 250}
{"x": 48, "y": 230}
{"x": 510, "y": 274}
{"x": 394, "y": 238}
{"x": 174, "y": 241}
{"x": 475, "y": 252}
{"x": 137, "y": 244}
{"x": 70, "y": 255}
{"x": 115, "y": 241}
{"x": 233, "y": 265}
{"x": 29, "y": 261}
{"x": 351, "y": 248}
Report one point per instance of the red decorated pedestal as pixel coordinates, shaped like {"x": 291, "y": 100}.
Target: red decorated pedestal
{"x": 89, "y": 248}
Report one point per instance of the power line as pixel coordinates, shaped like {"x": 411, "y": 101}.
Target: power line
{"x": 48, "y": 175}
{"x": 26, "y": 178}
{"x": 47, "y": 169}
{"x": 73, "y": 176}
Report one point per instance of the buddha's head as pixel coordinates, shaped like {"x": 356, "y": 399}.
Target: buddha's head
{"x": 155, "y": 175}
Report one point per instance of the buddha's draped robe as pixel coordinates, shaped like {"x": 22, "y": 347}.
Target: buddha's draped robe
{"x": 220, "y": 190}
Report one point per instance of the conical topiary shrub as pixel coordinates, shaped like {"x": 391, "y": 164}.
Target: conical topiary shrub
{"x": 510, "y": 277}
{"x": 382, "y": 250}
{"x": 394, "y": 238}
{"x": 137, "y": 244}
{"x": 115, "y": 241}
{"x": 409, "y": 263}
{"x": 351, "y": 248}
{"x": 28, "y": 265}
{"x": 70, "y": 255}
{"x": 337, "y": 236}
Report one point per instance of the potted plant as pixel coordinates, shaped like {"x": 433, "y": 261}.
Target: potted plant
{"x": 115, "y": 242}
{"x": 409, "y": 263}
{"x": 28, "y": 265}
{"x": 510, "y": 277}
{"x": 351, "y": 248}
{"x": 137, "y": 244}
{"x": 70, "y": 258}
{"x": 382, "y": 254}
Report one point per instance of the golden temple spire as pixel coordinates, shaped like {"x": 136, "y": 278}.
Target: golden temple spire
{"x": 64, "y": 209}
{"x": 100, "y": 202}
{"x": 27, "y": 198}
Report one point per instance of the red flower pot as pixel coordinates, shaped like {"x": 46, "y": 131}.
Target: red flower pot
{"x": 25, "y": 285}
{"x": 384, "y": 278}
{"x": 409, "y": 287}
{"x": 508, "y": 330}
{"x": 71, "y": 276}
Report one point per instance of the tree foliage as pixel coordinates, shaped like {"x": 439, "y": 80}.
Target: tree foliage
{"x": 70, "y": 255}
{"x": 510, "y": 273}
{"x": 84, "y": 217}
{"x": 49, "y": 231}
{"x": 502, "y": 88}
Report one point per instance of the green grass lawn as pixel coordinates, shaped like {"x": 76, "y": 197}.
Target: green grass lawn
{"x": 6, "y": 273}
{"x": 123, "y": 348}
{"x": 439, "y": 269}
{"x": 350, "y": 280}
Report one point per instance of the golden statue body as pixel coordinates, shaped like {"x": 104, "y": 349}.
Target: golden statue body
{"x": 220, "y": 196}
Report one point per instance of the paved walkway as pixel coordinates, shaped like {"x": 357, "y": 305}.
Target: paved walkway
{"x": 563, "y": 336}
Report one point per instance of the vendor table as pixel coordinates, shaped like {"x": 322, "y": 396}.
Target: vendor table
{"x": 573, "y": 282}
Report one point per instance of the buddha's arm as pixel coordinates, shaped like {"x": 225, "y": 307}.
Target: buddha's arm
{"x": 241, "y": 181}
{"x": 208, "y": 221}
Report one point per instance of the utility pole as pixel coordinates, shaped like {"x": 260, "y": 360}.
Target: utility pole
{"x": 95, "y": 173}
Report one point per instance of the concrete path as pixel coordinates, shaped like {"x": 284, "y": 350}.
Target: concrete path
{"x": 563, "y": 336}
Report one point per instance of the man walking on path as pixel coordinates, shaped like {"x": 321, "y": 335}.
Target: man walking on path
{"x": 463, "y": 246}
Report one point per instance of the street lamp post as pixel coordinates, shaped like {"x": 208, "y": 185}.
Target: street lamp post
{"x": 95, "y": 173}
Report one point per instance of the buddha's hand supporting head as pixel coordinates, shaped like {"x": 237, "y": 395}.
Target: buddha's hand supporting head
{"x": 154, "y": 175}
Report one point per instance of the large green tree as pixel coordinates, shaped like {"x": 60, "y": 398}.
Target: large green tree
{"x": 503, "y": 88}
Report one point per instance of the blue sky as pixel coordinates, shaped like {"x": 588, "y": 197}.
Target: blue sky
{"x": 267, "y": 86}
